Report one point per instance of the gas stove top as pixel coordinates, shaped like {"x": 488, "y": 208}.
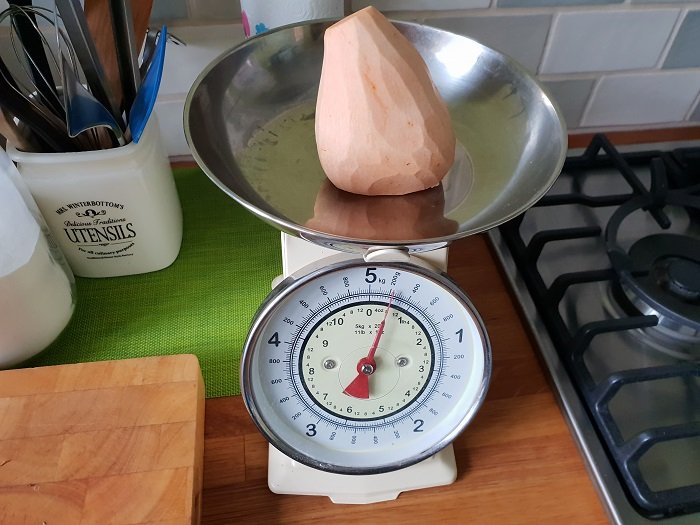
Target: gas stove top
{"x": 607, "y": 269}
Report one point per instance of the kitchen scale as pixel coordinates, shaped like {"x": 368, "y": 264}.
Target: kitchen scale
{"x": 366, "y": 361}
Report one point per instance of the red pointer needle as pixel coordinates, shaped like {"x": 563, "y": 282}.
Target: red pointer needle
{"x": 359, "y": 387}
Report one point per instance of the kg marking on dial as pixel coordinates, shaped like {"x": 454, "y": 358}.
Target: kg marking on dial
{"x": 371, "y": 360}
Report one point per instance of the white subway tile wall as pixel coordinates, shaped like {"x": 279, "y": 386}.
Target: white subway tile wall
{"x": 695, "y": 117}
{"x": 520, "y": 37}
{"x": 648, "y": 98}
{"x": 685, "y": 51}
{"x": 607, "y": 40}
{"x": 571, "y": 96}
{"x": 608, "y": 63}
{"x": 183, "y": 63}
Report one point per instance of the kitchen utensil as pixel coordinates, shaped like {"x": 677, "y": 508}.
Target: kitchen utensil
{"x": 11, "y": 131}
{"x": 44, "y": 124}
{"x": 149, "y": 47}
{"x": 83, "y": 110}
{"x": 384, "y": 357}
{"x": 99, "y": 22}
{"x": 146, "y": 96}
{"x": 30, "y": 78}
{"x": 249, "y": 120}
{"x": 32, "y": 39}
{"x": 76, "y": 26}
{"x": 105, "y": 442}
{"x": 127, "y": 54}
{"x": 113, "y": 211}
{"x": 141, "y": 12}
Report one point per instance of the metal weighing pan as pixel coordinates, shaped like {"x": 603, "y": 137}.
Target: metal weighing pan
{"x": 249, "y": 120}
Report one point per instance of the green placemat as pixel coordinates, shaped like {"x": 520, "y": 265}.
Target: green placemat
{"x": 202, "y": 304}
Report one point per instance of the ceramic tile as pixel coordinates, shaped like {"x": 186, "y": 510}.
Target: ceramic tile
{"x": 685, "y": 50}
{"x": 631, "y": 99}
{"x": 164, "y": 10}
{"x": 222, "y": 10}
{"x": 607, "y": 40}
{"x": 547, "y": 3}
{"x": 571, "y": 96}
{"x": 521, "y": 37}
{"x": 663, "y": 2}
{"x": 419, "y": 5}
{"x": 695, "y": 116}
{"x": 204, "y": 43}
{"x": 170, "y": 118}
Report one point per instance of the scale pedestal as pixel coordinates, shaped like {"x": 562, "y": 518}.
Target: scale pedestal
{"x": 286, "y": 476}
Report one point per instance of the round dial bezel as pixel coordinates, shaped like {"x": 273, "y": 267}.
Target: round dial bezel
{"x": 279, "y": 435}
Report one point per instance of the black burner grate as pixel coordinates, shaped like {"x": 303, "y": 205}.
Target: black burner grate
{"x": 669, "y": 172}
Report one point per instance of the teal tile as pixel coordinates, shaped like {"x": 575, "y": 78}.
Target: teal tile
{"x": 685, "y": 50}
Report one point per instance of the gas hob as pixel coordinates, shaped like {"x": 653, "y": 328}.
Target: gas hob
{"x": 607, "y": 270}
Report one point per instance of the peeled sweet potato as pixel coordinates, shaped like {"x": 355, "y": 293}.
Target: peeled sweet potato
{"x": 382, "y": 128}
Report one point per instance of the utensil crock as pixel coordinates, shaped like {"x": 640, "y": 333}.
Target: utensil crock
{"x": 114, "y": 211}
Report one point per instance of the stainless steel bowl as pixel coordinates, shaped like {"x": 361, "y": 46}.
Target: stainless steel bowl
{"x": 249, "y": 120}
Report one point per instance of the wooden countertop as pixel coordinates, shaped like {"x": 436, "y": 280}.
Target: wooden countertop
{"x": 517, "y": 461}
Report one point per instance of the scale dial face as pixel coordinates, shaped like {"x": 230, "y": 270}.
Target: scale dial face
{"x": 363, "y": 368}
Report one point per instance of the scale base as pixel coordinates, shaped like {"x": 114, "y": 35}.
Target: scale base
{"x": 286, "y": 476}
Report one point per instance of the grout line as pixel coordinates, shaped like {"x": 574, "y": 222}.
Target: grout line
{"x": 589, "y": 102}
{"x": 693, "y": 107}
{"x": 553, "y": 23}
{"x": 671, "y": 38}
{"x": 584, "y": 75}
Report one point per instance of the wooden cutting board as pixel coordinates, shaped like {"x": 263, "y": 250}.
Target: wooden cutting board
{"x": 108, "y": 443}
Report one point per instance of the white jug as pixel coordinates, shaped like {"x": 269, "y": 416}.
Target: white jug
{"x": 37, "y": 288}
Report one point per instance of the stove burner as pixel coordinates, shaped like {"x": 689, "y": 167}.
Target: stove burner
{"x": 681, "y": 277}
{"x": 617, "y": 304}
{"x": 660, "y": 274}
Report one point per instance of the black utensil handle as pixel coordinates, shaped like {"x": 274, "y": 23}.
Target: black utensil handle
{"x": 127, "y": 54}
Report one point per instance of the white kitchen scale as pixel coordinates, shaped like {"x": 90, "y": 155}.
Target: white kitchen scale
{"x": 366, "y": 361}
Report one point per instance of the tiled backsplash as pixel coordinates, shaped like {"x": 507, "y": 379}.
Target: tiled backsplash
{"x": 608, "y": 63}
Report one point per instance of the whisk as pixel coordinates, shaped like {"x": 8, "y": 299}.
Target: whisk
{"x": 55, "y": 113}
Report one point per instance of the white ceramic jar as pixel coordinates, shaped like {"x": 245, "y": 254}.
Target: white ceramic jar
{"x": 261, "y": 15}
{"x": 114, "y": 211}
{"x": 37, "y": 289}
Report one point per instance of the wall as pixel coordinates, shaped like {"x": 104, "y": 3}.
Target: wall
{"x": 609, "y": 63}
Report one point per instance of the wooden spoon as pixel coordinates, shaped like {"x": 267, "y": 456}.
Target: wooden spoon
{"x": 99, "y": 21}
